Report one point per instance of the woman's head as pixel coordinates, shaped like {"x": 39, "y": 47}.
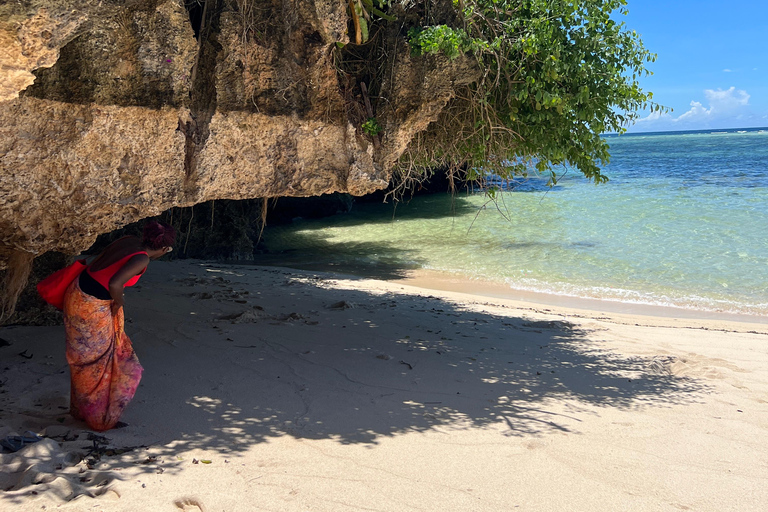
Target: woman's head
{"x": 158, "y": 235}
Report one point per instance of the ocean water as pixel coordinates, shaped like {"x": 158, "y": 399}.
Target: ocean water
{"x": 682, "y": 222}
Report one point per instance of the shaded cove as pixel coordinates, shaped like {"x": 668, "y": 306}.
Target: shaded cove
{"x": 680, "y": 223}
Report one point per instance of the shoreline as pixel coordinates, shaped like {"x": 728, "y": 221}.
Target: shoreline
{"x": 435, "y": 280}
{"x": 658, "y": 315}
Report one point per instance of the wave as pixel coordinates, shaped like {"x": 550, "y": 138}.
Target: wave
{"x": 689, "y": 302}
{"x": 692, "y": 302}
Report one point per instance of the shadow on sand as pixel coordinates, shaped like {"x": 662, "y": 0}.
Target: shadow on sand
{"x": 236, "y": 381}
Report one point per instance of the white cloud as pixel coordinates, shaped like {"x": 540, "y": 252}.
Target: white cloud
{"x": 728, "y": 99}
{"x": 723, "y": 105}
{"x": 697, "y": 112}
{"x": 726, "y": 70}
{"x": 654, "y": 116}
{"x": 653, "y": 119}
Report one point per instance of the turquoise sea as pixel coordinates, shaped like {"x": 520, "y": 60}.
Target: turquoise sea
{"x": 682, "y": 222}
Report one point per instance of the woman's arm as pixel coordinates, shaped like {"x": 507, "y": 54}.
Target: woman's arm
{"x": 131, "y": 268}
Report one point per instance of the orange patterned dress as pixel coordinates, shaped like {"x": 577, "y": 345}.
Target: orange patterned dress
{"x": 105, "y": 371}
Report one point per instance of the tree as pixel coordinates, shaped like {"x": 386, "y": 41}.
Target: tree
{"x": 555, "y": 75}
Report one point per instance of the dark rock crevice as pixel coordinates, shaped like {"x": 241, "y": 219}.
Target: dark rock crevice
{"x": 203, "y": 91}
{"x": 195, "y": 10}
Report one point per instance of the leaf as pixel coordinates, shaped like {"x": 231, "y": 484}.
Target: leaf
{"x": 205, "y": 461}
{"x": 364, "y": 30}
{"x": 383, "y": 15}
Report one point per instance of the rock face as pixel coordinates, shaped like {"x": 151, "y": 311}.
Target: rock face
{"x": 117, "y": 110}
{"x": 30, "y": 39}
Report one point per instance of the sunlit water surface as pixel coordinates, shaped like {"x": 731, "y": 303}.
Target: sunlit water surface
{"x": 682, "y": 222}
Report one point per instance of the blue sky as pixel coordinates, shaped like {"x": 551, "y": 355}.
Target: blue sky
{"x": 712, "y": 65}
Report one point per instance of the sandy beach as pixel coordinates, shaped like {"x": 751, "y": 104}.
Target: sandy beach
{"x": 283, "y": 390}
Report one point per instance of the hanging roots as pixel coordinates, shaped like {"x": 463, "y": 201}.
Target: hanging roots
{"x": 13, "y": 282}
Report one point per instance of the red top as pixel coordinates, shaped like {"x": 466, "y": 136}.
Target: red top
{"x": 104, "y": 275}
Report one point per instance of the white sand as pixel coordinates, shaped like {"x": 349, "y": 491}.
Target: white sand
{"x": 312, "y": 392}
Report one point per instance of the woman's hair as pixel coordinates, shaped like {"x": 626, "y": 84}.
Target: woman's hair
{"x": 158, "y": 235}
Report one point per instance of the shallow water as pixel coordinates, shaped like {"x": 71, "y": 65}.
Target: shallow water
{"x": 681, "y": 222}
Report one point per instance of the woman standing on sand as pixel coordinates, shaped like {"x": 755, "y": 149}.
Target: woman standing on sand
{"x": 105, "y": 371}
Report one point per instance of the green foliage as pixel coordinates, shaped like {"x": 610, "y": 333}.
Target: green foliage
{"x": 555, "y": 75}
{"x": 371, "y": 127}
{"x": 442, "y": 39}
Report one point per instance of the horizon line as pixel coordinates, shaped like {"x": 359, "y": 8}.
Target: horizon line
{"x": 702, "y": 130}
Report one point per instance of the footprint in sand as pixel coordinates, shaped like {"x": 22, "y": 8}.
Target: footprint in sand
{"x": 189, "y": 505}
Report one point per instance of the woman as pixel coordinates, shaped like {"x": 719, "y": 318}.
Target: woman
{"x": 105, "y": 371}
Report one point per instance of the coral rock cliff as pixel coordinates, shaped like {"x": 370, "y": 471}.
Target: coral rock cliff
{"x": 117, "y": 110}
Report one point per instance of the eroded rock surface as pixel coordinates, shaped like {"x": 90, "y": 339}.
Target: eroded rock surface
{"x": 114, "y": 111}
{"x": 31, "y": 35}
